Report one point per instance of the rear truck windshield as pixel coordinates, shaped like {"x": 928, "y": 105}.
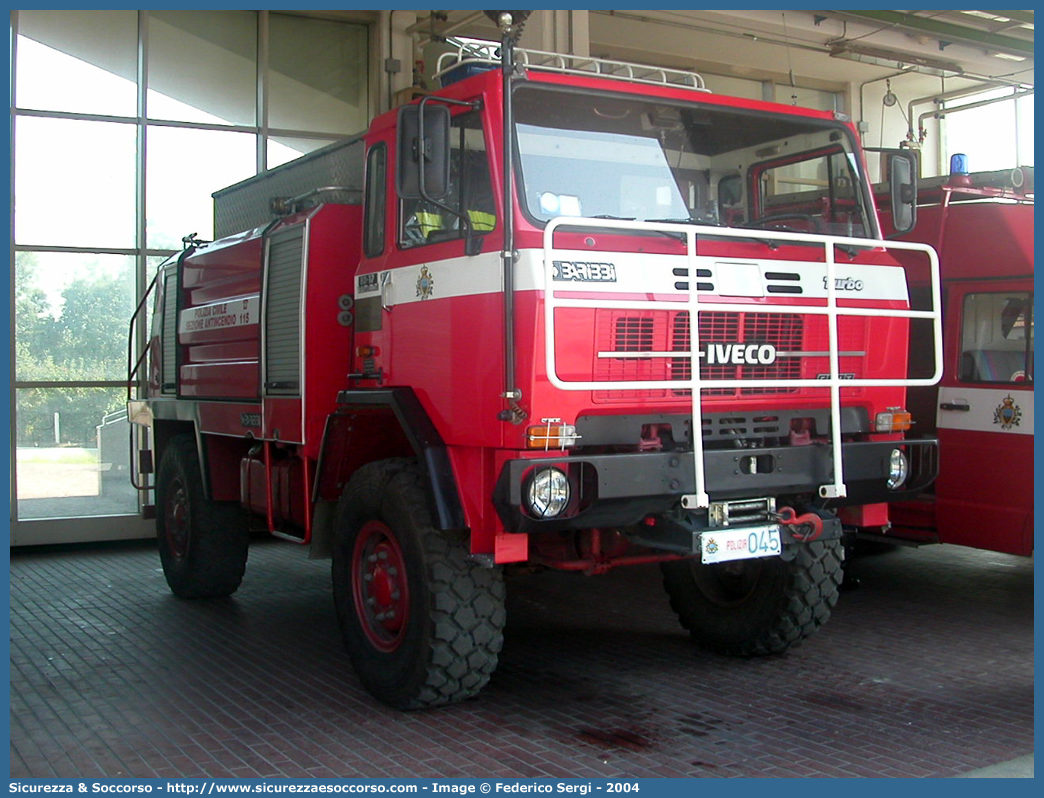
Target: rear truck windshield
{"x": 607, "y": 156}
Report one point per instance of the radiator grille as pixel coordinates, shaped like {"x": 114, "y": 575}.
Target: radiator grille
{"x": 634, "y": 334}
{"x": 283, "y": 313}
{"x": 630, "y": 331}
{"x": 783, "y": 330}
{"x": 169, "y": 340}
{"x": 668, "y": 331}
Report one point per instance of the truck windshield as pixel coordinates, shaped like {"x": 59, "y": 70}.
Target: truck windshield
{"x": 650, "y": 160}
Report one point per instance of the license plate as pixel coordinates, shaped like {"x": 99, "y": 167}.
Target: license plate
{"x": 722, "y": 545}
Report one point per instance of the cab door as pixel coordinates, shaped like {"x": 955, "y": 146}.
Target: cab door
{"x": 984, "y": 493}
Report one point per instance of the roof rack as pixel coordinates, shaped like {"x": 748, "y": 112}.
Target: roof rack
{"x": 476, "y": 54}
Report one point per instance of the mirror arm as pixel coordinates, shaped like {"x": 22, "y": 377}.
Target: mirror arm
{"x": 902, "y": 195}
{"x": 421, "y": 189}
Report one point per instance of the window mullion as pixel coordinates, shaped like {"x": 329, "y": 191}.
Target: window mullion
{"x": 262, "y": 91}
{"x": 12, "y": 401}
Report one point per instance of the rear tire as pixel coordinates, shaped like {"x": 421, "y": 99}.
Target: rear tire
{"x": 202, "y": 544}
{"x": 422, "y": 622}
{"x": 759, "y": 606}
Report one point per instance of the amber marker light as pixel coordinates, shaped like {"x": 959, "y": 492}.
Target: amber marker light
{"x": 895, "y": 419}
{"x": 551, "y": 435}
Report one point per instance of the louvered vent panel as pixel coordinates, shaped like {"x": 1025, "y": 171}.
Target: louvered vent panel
{"x": 630, "y": 331}
{"x": 782, "y": 330}
{"x": 169, "y": 340}
{"x": 283, "y": 313}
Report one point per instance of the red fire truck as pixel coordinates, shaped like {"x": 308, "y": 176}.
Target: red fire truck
{"x": 981, "y": 225}
{"x": 563, "y": 312}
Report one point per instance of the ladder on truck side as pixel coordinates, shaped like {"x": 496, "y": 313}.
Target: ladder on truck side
{"x": 141, "y": 466}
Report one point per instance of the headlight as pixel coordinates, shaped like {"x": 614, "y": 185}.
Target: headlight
{"x": 898, "y": 469}
{"x": 548, "y": 493}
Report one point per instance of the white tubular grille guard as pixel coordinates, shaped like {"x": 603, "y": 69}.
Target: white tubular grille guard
{"x": 698, "y": 303}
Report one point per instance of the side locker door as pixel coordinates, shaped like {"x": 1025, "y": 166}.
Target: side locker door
{"x": 282, "y": 362}
{"x": 984, "y": 492}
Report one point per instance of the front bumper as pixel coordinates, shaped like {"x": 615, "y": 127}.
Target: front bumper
{"x": 618, "y": 490}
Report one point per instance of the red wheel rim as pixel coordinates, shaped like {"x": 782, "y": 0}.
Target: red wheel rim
{"x": 176, "y": 516}
{"x": 379, "y": 588}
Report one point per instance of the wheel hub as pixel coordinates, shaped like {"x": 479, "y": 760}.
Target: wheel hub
{"x": 379, "y": 586}
{"x": 177, "y": 518}
{"x": 728, "y": 584}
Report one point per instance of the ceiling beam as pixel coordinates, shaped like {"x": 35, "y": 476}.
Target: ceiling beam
{"x": 944, "y": 30}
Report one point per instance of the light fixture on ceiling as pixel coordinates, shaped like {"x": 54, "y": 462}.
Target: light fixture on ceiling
{"x": 880, "y": 56}
{"x": 986, "y": 15}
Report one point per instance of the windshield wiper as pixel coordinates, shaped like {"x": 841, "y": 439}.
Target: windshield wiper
{"x": 689, "y": 220}
{"x": 774, "y": 243}
{"x": 679, "y": 236}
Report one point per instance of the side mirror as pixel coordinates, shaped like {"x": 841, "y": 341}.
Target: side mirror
{"x": 902, "y": 183}
{"x": 423, "y": 148}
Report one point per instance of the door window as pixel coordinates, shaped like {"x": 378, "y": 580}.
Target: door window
{"x": 997, "y": 337}
{"x": 470, "y": 192}
{"x": 373, "y": 227}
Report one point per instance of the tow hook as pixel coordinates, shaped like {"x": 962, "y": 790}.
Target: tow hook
{"x": 804, "y": 528}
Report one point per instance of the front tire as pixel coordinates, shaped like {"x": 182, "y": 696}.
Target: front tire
{"x": 202, "y": 544}
{"x": 758, "y": 606}
{"x": 422, "y": 622}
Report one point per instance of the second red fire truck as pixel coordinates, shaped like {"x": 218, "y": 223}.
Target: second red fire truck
{"x": 981, "y": 224}
{"x": 562, "y": 312}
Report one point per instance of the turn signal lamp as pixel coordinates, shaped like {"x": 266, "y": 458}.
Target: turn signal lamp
{"x": 894, "y": 419}
{"x": 552, "y": 434}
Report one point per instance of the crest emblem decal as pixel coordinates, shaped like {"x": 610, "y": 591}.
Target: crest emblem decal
{"x": 425, "y": 283}
{"x": 1008, "y": 414}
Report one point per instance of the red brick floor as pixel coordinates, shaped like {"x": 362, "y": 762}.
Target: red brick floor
{"x": 926, "y": 670}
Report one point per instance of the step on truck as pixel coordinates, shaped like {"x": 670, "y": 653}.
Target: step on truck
{"x": 981, "y": 225}
{"x": 562, "y": 312}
